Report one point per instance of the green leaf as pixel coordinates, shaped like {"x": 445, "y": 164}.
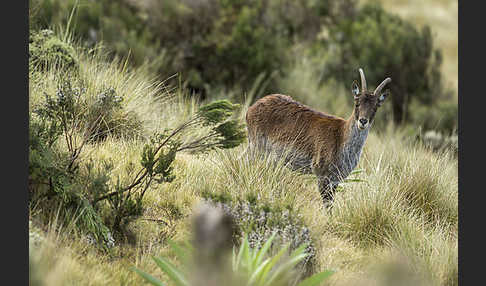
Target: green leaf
{"x": 171, "y": 270}
{"x": 216, "y": 111}
{"x": 264, "y": 250}
{"x": 147, "y": 160}
{"x": 357, "y": 171}
{"x": 256, "y": 275}
{"x": 271, "y": 264}
{"x": 152, "y": 280}
{"x": 285, "y": 268}
{"x": 232, "y": 132}
{"x": 247, "y": 256}
{"x": 316, "y": 279}
{"x": 181, "y": 253}
{"x": 243, "y": 248}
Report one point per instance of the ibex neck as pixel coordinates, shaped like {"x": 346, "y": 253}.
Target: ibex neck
{"x": 354, "y": 138}
{"x": 350, "y": 152}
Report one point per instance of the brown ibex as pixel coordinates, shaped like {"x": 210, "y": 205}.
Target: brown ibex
{"x": 312, "y": 141}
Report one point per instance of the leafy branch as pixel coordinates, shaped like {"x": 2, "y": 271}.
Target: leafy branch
{"x": 156, "y": 163}
{"x": 77, "y": 119}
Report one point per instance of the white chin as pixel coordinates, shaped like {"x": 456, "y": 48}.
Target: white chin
{"x": 361, "y": 127}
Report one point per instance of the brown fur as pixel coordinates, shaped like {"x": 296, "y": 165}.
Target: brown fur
{"x": 287, "y": 122}
{"x": 312, "y": 141}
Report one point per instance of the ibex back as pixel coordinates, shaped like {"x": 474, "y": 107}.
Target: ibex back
{"x": 312, "y": 141}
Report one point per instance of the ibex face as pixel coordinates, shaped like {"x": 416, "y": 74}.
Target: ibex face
{"x": 366, "y": 102}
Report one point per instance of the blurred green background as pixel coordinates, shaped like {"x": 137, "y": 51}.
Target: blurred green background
{"x": 308, "y": 49}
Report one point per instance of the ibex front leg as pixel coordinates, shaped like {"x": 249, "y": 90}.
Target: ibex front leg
{"x": 327, "y": 188}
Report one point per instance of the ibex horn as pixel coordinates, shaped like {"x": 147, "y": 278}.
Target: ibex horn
{"x": 382, "y": 84}
{"x": 363, "y": 80}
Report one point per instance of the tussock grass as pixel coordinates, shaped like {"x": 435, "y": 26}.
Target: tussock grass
{"x": 263, "y": 177}
{"x": 63, "y": 260}
{"x": 432, "y": 252}
{"x": 423, "y": 182}
{"x": 366, "y": 216}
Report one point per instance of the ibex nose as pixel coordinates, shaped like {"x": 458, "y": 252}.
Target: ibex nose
{"x": 363, "y": 121}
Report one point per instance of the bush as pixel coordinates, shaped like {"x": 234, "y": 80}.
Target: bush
{"x": 385, "y": 45}
{"x": 218, "y": 42}
{"x": 56, "y": 176}
{"x": 46, "y": 49}
{"x": 259, "y": 222}
{"x": 59, "y": 175}
{"x": 212, "y": 43}
{"x": 94, "y": 116}
{"x": 442, "y": 118}
{"x": 115, "y": 23}
{"x": 55, "y": 180}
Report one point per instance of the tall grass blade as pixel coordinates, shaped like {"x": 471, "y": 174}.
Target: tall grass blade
{"x": 149, "y": 278}
{"x": 316, "y": 279}
{"x": 180, "y": 252}
{"x": 271, "y": 264}
{"x": 258, "y": 272}
{"x": 171, "y": 270}
{"x": 263, "y": 250}
{"x": 243, "y": 248}
{"x": 285, "y": 268}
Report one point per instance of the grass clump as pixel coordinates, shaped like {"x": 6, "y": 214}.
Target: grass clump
{"x": 421, "y": 182}
{"x": 46, "y": 49}
{"x": 431, "y": 252}
{"x": 365, "y": 216}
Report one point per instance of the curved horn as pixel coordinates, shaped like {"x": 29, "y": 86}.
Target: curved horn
{"x": 382, "y": 84}
{"x": 363, "y": 80}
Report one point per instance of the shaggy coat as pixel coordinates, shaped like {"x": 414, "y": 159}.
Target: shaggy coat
{"x": 312, "y": 141}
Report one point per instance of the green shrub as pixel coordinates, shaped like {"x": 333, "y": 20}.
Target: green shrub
{"x": 46, "y": 49}
{"x": 94, "y": 116}
{"x": 212, "y": 43}
{"x": 218, "y": 42}
{"x": 385, "y": 45}
{"x": 442, "y": 117}
{"x": 115, "y": 23}
{"x": 55, "y": 180}
{"x": 61, "y": 127}
{"x": 259, "y": 222}
{"x": 56, "y": 174}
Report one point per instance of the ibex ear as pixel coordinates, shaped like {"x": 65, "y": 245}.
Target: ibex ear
{"x": 355, "y": 88}
{"x": 382, "y": 96}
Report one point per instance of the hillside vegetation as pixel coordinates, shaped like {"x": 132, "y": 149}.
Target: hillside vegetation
{"x": 442, "y": 16}
{"x": 121, "y": 153}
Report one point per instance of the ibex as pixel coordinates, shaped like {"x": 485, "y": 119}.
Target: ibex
{"x": 312, "y": 141}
